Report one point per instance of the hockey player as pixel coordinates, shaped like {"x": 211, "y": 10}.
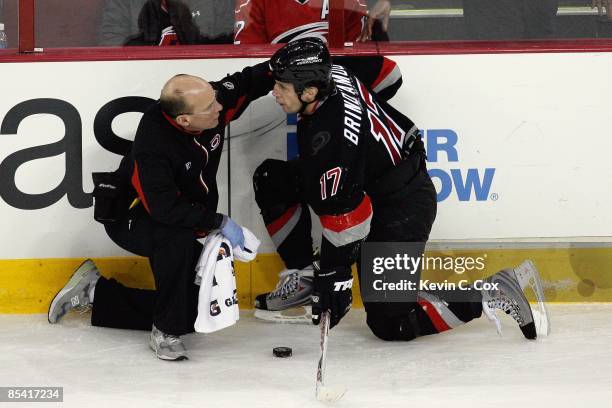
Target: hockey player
{"x": 383, "y": 76}
{"x": 273, "y": 21}
{"x": 362, "y": 170}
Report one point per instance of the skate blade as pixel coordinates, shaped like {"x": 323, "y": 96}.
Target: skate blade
{"x": 329, "y": 394}
{"x": 294, "y": 315}
{"x": 529, "y": 278}
{"x": 492, "y": 317}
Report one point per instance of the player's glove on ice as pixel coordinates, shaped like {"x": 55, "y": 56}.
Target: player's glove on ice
{"x": 233, "y": 232}
{"x": 332, "y": 290}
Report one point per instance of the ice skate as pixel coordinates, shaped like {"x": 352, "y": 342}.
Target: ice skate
{"x": 290, "y": 301}
{"x": 529, "y": 278}
{"x": 510, "y": 298}
{"x": 166, "y": 346}
{"x": 76, "y": 293}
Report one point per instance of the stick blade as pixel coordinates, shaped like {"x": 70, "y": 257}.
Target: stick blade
{"x": 322, "y": 392}
{"x": 330, "y": 394}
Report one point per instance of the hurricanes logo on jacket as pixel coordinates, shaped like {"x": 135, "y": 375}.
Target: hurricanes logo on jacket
{"x": 214, "y": 143}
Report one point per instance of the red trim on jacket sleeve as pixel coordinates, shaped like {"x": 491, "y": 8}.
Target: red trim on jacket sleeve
{"x": 138, "y": 187}
{"x": 387, "y": 67}
{"x": 338, "y": 223}
{"x": 229, "y": 115}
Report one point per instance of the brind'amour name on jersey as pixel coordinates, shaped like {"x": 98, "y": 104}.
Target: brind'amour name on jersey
{"x": 353, "y": 110}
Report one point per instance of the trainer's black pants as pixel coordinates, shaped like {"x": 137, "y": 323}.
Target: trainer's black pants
{"x": 173, "y": 253}
{"x": 406, "y": 215}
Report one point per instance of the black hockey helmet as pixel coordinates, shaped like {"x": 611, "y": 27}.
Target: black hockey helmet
{"x": 303, "y": 63}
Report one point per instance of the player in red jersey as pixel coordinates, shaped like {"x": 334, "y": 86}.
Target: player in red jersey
{"x": 272, "y": 21}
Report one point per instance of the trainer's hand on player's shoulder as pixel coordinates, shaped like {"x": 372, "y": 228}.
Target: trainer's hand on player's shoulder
{"x": 332, "y": 290}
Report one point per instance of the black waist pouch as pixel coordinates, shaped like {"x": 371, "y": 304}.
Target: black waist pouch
{"x": 110, "y": 197}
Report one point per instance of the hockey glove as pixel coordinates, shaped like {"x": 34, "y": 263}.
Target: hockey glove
{"x": 233, "y": 232}
{"x": 332, "y": 290}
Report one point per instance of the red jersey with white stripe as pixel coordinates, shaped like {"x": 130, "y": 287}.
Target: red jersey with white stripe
{"x": 281, "y": 21}
{"x": 350, "y": 142}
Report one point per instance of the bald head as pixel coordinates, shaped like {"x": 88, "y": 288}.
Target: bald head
{"x": 191, "y": 102}
{"x": 182, "y": 91}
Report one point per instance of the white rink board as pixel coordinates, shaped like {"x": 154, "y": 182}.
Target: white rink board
{"x": 538, "y": 122}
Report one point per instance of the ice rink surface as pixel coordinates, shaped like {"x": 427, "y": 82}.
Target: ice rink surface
{"x": 467, "y": 367}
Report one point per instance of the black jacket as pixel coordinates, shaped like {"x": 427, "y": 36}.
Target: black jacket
{"x": 174, "y": 172}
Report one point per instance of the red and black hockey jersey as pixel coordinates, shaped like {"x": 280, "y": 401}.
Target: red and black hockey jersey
{"x": 281, "y": 21}
{"x": 353, "y": 138}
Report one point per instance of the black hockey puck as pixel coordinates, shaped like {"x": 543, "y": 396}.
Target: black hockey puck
{"x": 282, "y": 352}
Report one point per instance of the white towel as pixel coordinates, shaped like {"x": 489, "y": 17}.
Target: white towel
{"x": 251, "y": 245}
{"x": 218, "y": 300}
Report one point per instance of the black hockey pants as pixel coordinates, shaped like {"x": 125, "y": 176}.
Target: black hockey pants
{"x": 173, "y": 253}
{"x": 401, "y": 214}
{"x": 407, "y": 215}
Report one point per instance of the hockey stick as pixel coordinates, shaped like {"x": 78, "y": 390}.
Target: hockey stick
{"x": 293, "y": 315}
{"x": 323, "y": 392}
